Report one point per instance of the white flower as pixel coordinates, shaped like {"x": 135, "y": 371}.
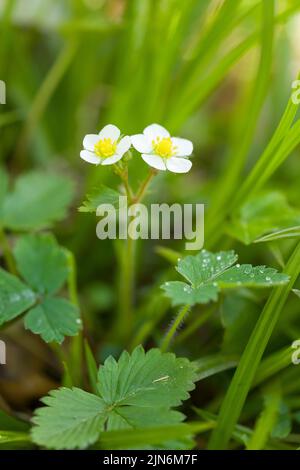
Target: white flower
{"x": 163, "y": 152}
{"x": 106, "y": 147}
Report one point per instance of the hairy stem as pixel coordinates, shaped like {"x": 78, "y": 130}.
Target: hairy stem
{"x": 175, "y": 325}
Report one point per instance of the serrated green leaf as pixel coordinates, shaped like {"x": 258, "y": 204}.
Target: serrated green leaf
{"x": 72, "y": 419}
{"x": 146, "y": 379}
{"x": 41, "y": 262}
{"x": 15, "y": 297}
{"x": 102, "y": 195}
{"x": 53, "y": 319}
{"x": 136, "y": 391}
{"x": 209, "y": 272}
{"x": 182, "y": 293}
{"x": 37, "y": 201}
{"x": 205, "y": 266}
{"x": 249, "y": 276}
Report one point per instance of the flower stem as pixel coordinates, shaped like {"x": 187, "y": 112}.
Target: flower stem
{"x": 126, "y": 290}
{"x": 144, "y": 186}
{"x": 175, "y": 325}
{"x": 7, "y": 253}
{"x": 127, "y": 263}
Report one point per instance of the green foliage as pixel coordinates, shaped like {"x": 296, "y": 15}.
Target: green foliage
{"x": 72, "y": 418}
{"x": 43, "y": 265}
{"x": 15, "y": 297}
{"x": 37, "y": 201}
{"x": 53, "y": 319}
{"x": 102, "y": 195}
{"x": 207, "y": 273}
{"x": 261, "y": 215}
{"x": 139, "y": 390}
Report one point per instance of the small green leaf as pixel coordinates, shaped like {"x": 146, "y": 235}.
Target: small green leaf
{"x": 38, "y": 200}
{"x": 182, "y": 293}
{"x": 15, "y": 297}
{"x": 205, "y": 266}
{"x": 71, "y": 419}
{"x": 102, "y": 195}
{"x": 41, "y": 262}
{"x": 249, "y": 276}
{"x": 53, "y": 319}
{"x": 209, "y": 272}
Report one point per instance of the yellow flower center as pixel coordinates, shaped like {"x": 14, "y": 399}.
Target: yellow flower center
{"x": 105, "y": 148}
{"x": 164, "y": 147}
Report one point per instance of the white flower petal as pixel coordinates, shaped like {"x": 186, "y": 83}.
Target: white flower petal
{"x": 123, "y": 145}
{"x": 90, "y": 140}
{"x": 90, "y": 157}
{"x": 111, "y": 160}
{"x": 184, "y": 146}
{"x": 155, "y": 130}
{"x": 155, "y": 161}
{"x": 178, "y": 165}
{"x": 141, "y": 143}
{"x": 110, "y": 132}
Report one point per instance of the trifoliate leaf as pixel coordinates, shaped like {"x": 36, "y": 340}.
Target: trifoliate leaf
{"x": 53, "y": 319}
{"x": 137, "y": 391}
{"x": 209, "y": 272}
{"x": 205, "y": 266}
{"x": 72, "y": 419}
{"x": 38, "y": 200}
{"x": 41, "y": 262}
{"x": 182, "y": 293}
{"x": 15, "y": 297}
{"x": 249, "y": 276}
{"x": 102, "y": 195}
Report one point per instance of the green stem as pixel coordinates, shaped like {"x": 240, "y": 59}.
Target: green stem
{"x": 175, "y": 325}
{"x": 245, "y": 373}
{"x": 123, "y": 174}
{"x": 126, "y": 290}
{"x": 144, "y": 186}
{"x": 127, "y": 274}
{"x": 194, "y": 326}
{"x": 7, "y": 253}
